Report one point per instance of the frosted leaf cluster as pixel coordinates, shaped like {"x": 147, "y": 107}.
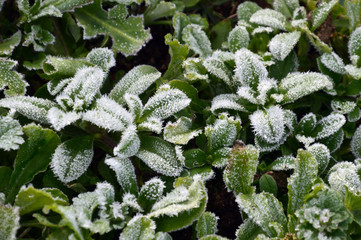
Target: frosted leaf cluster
{"x": 10, "y": 134}
{"x": 269, "y": 124}
{"x": 345, "y": 174}
{"x": 81, "y": 90}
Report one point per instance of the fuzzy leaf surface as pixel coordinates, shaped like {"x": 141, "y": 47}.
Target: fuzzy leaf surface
{"x": 139, "y": 228}
{"x": 282, "y": 44}
{"x": 270, "y": 18}
{"x": 9, "y": 222}
{"x": 321, "y": 12}
{"x": 206, "y": 224}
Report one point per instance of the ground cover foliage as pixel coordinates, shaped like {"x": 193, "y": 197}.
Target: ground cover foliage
{"x": 182, "y": 119}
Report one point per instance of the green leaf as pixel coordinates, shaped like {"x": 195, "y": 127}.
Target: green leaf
{"x": 124, "y": 170}
{"x": 219, "y": 69}
{"x": 322, "y": 155}
{"x": 181, "y": 207}
{"x": 280, "y": 69}
{"x": 165, "y": 102}
{"x": 343, "y": 176}
{"x": 139, "y": 228}
{"x": 270, "y": 18}
{"x": 10, "y": 134}
{"x": 220, "y": 157}
{"x": 129, "y": 143}
{"x": 7, "y": 46}
{"x": 268, "y": 184}
{"x": 353, "y": 204}
{"x": 356, "y": 143}
{"x": 33, "y": 157}
{"x": 5, "y": 173}
{"x": 354, "y": 115}
{"x": 197, "y": 40}
{"x": 342, "y": 107}
{"x": 248, "y": 230}
{"x": 101, "y": 57}
{"x": 265, "y": 210}
{"x": 194, "y": 69}
{"x": 302, "y": 180}
{"x": 282, "y": 44}
{"x": 206, "y": 224}
{"x": 128, "y": 34}
{"x": 226, "y": 101}
{"x": 178, "y": 54}
{"x": 39, "y": 37}
{"x": 181, "y": 131}
{"x": 135, "y": 105}
{"x": 283, "y": 163}
{"x": 353, "y": 9}
{"x": 241, "y": 168}
{"x": 354, "y": 47}
{"x": 9, "y": 222}
{"x": 30, "y": 199}
{"x": 72, "y": 158}
{"x": 194, "y": 158}
{"x": 160, "y": 156}
{"x": 298, "y": 85}
{"x": 11, "y": 79}
{"x": 334, "y": 141}
{"x": 354, "y": 72}
{"x": 219, "y": 33}
{"x": 223, "y": 133}
{"x": 333, "y": 62}
{"x": 213, "y": 237}
{"x": 60, "y": 67}
{"x": 286, "y": 7}
{"x": 238, "y": 38}
{"x": 159, "y": 10}
{"x": 321, "y": 12}
{"x": 135, "y": 82}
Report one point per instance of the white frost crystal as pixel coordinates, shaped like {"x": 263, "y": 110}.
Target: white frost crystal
{"x": 333, "y": 62}
{"x": 10, "y": 134}
{"x": 282, "y": 44}
{"x": 270, "y": 18}
{"x": 60, "y": 119}
{"x": 102, "y": 57}
{"x": 129, "y": 143}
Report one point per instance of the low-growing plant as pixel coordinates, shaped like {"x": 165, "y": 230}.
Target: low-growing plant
{"x": 92, "y": 149}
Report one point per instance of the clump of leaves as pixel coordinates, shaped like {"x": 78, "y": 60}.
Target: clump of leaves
{"x": 93, "y": 149}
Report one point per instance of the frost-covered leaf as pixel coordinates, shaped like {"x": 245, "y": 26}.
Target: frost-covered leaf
{"x": 248, "y": 230}
{"x": 238, "y": 38}
{"x": 194, "y": 69}
{"x": 302, "y": 180}
{"x": 10, "y": 134}
{"x": 129, "y": 143}
{"x": 206, "y": 224}
{"x": 298, "y": 85}
{"x": 165, "y": 103}
{"x": 354, "y": 46}
{"x": 220, "y": 157}
{"x": 30, "y": 199}
{"x": 226, "y": 101}
{"x": 342, "y": 107}
{"x": 159, "y": 156}
{"x": 31, "y": 107}
{"x": 353, "y": 71}
{"x": 181, "y": 131}
{"x": 269, "y": 124}
{"x": 109, "y": 115}
{"x": 218, "y": 69}
{"x": 286, "y": 7}
{"x": 265, "y": 210}
{"x": 33, "y": 157}
{"x": 60, "y": 68}
{"x": 11, "y": 79}
{"x": 181, "y": 207}
{"x": 194, "y": 158}
{"x": 354, "y": 115}
{"x": 9, "y": 222}
{"x": 150, "y": 192}
{"x": 246, "y": 9}
{"x": 282, "y": 44}
{"x": 101, "y": 57}
{"x": 139, "y": 228}
{"x": 249, "y": 69}
{"x": 39, "y": 37}
{"x": 159, "y": 10}
{"x": 270, "y": 18}
{"x": 241, "y": 168}
{"x": 72, "y": 158}
{"x": 136, "y": 81}
{"x": 223, "y": 133}
{"x": 197, "y": 40}
{"x": 283, "y": 163}
{"x": 268, "y": 184}
{"x": 307, "y": 124}
{"x": 128, "y": 34}
{"x": 334, "y": 141}
{"x": 353, "y": 9}
{"x": 124, "y": 170}
{"x": 328, "y": 125}
{"x": 82, "y": 88}
{"x": 322, "y": 155}
{"x": 151, "y": 124}
{"x": 333, "y": 62}
{"x": 356, "y": 143}
{"x": 345, "y": 175}
{"x": 163, "y": 236}
{"x": 7, "y": 45}
{"x": 60, "y": 119}
{"x": 321, "y": 12}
